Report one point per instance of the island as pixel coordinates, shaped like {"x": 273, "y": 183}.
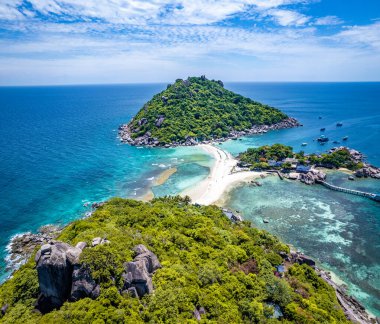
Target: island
{"x": 198, "y": 110}
{"x": 166, "y": 261}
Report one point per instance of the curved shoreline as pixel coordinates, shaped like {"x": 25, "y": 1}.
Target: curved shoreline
{"x": 221, "y": 178}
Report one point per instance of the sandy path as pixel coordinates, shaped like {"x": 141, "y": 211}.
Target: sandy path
{"x": 220, "y": 179}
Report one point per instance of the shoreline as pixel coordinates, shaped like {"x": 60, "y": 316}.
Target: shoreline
{"x": 221, "y": 177}
{"x": 125, "y": 135}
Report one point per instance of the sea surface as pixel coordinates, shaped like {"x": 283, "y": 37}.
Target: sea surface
{"x": 59, "y": 150}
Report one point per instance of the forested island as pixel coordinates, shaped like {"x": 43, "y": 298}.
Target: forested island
{"x": 166, "y": 261}
{"x": 198, "y": 110}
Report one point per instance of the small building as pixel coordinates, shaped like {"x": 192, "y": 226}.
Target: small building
{"x": 302, "y": 168}
{"x": 274, "y": 163}
{"x": 292, "y": 161}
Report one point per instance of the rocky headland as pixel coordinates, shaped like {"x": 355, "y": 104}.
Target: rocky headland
{"x": 126, "y": 134}
{"x": 22, "y": 246}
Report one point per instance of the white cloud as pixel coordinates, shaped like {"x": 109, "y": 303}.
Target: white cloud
{"x": 9, "y": 11}
{"x": 328, "y": 21}
{"x": 176, "y": 12}
{"x": 288, "y": 17}
{"x": 361, "y": 36}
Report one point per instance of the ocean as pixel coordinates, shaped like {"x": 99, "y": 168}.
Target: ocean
{"x": 59, "y": 150}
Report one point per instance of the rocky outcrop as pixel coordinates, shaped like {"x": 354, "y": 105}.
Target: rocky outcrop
{"x": 82, "y": 284}
{"x": 312, "y": 177}
{"x": 99, "y": 241}
{"x": 23, "y": 245}
{"x": 137, "y": 276}
{"x": 368, "y": 172}
{"x": 300, "y": 258}
{"x": 61, "y": 276}
{"x": 4, "y": 309}
{"x": 198, "y": 312}
{"x": 160, "y": 119}
{"x": 125, "y": 133}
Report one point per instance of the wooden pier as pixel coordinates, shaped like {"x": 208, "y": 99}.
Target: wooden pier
{"x": 278, "y": 173}
{"x": 369, "y": 195}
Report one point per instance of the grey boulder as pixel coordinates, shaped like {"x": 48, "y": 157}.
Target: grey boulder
{"x": 82, "y": 284}
{"x": 138, "y": 273}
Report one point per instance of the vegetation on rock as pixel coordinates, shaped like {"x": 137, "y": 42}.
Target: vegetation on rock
{"x": 341, "y": 157}
{"x": 201, "y": 109}
{"x": 220, "y": 270}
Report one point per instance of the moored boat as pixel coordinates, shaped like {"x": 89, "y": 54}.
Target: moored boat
{"x": 345, "y": 138}
{"x": 323, "y": 129}
{"x": 339, "y": 124}
{"x": 322, "y": 139}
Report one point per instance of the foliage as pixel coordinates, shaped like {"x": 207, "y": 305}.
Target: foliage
{"x": 259, "y": 157}
{"x": 338, "y": 159}
{"x": 202, "y": 109}
{"x": 207, "y": 261}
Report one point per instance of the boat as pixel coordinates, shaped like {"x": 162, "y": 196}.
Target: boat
{"x": 351, "y": 178}
{"x": 336, "y": 142}
{"x": 322, "y": 139}
{"x": 265, "y": 221}
{"x": 323, "y": 129}
{"x": 303, "y": 144}
{"x": 320, "y": 117}
{"x": 339, "y": 124}
{"x": 345, "y": 138}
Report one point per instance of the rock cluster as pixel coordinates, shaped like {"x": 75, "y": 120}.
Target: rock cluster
{"x": 22, "y": 246}
{"x": 125, "y": 133}
{"x": 300, "y": 258}
{"x": 137, "y": 274}
{"x": 355, "y": 155}
{"x": 368, "y": 172}
{"x": 61, "y": 276}
{"x": 312, "y": 177}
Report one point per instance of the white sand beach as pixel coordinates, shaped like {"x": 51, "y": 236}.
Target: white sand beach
{"x": 221, "y": 178}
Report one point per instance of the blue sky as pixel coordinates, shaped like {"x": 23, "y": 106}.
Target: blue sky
{"x": 131, "y": 41}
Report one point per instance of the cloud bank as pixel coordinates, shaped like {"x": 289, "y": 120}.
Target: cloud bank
{"x": 112, "y": 41}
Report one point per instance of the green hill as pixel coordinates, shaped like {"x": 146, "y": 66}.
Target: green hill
{"x": 198, "y": 109}
{"x": 222, "y": 270}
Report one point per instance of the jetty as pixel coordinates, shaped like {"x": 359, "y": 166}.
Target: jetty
{"x": 375, "y": 197}
{"x": 278, "y": 173}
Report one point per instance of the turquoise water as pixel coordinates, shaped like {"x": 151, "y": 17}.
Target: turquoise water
{"x": 59, "y": 149}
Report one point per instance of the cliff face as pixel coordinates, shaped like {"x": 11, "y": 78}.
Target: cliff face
{"x": 198, "y": 109}
{"x": 166, "y": 261}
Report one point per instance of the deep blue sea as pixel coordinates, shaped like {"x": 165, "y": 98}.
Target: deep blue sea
{"x": 59, "y": 150}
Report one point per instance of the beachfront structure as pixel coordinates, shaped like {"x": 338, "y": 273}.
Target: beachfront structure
{"x": 303, "y": 168}
{"x": 273, "y": 163}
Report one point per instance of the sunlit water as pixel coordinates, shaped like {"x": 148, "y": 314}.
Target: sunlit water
{"x": 59, "y": 149}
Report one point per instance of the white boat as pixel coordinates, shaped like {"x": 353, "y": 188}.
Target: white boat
{"x": 303, "y": 144}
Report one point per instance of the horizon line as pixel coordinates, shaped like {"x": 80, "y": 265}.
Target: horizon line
{"x": 164, "y": 82}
